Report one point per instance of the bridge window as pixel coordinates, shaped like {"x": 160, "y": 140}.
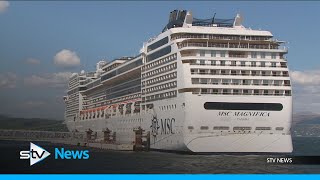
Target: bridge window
{"x": 158, "y": 44}
{"x": 159, "y": 53}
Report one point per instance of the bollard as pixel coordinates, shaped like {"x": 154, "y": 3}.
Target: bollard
{"x": 138, "y": 139}
{"x": 106, "y": 136}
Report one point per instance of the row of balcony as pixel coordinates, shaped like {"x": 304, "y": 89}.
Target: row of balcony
{"x": 264, "y": 82}
{"x": 243, "y": 92}
{"x": 228, "y": 45}
{"x": 221, "y": 37}
{"x": 244, "y": 84}
{"x": 240, "y": 65}
{"x": 239, "y": 73}
{"x": 213, "y": 63}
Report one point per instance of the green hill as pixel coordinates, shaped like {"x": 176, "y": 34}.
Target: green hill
{"x": 7, "y": 122}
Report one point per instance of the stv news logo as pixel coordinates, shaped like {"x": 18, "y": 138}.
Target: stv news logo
{"x": 36, "y": 154}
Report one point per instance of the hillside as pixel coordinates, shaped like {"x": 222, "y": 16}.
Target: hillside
{"x": 7, "y": 122}
{"x": 306, "y": 118}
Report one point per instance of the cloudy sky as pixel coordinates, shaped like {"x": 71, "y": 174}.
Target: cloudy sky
{"x": 42, "y": 43}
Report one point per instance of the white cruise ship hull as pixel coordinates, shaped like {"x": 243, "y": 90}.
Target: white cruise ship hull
{"x": 170, "y": 128}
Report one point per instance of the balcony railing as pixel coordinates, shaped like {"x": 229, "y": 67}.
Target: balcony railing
{"x": 240, "y": 74}
{"x": 242, "y": 84}
{"x": 238, "y": 56}
{"x": 240, "y": 65}
{"x": 217, "y": 45}
{"x": 219, "y": 37}
{"x": 239, "y": 93}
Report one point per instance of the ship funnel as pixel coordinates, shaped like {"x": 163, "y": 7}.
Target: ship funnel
{"x": 176, "y": 19}
{"x": 173, "y": 15}
{"x": 181, "y": 15}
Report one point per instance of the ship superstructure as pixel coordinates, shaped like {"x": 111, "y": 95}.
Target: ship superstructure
{"x": 202, "y": 85}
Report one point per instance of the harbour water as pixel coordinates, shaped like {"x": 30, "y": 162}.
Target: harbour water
{"x": 116, "y": 162}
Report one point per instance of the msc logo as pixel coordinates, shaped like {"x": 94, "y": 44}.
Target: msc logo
{"x": 36, "y": 154}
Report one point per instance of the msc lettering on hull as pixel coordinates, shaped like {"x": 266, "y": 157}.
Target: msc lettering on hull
{"x": 164, "y": 126}
{"x": 246, "y": 113}
{"x": 167, "y": 125}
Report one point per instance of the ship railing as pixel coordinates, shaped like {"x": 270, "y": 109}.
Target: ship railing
{"x": 246, "y": 74}
{"x": 246, "y": 84}
{"x": 208, "y": 36}
{"x": 237, "y": 65}
{"x": 245, "y": 94}
{"x": 241, "y": 46}
{"x": 237, "y": 56}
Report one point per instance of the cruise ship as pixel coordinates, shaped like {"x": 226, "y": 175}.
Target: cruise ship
{"x": 201, "y": 85}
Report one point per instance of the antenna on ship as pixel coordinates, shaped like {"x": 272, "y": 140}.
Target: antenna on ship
{"x": 85, "y": 64}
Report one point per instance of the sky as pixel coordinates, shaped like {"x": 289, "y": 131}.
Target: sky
{"x": 42, "y": 43}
